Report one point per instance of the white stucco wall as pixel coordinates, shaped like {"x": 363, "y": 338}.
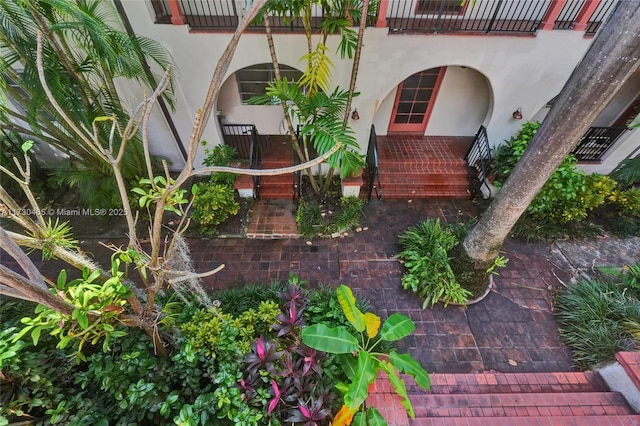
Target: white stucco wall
{"x": 502, "y": 73}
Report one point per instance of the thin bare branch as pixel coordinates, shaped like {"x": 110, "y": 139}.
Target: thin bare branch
{"x": 82, "y": 135}
{"x": 188, "y": 276}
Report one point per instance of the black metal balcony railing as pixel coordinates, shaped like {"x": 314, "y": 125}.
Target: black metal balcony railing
{"x": 483, "y": 16}
{"x": 572, "y": 8}
{"x": 596, "y": 142}
{"x": 568, "y": 14}
{"x": 403, "y": 16}
{"x": 599, "y": 15}
{"x": 223, "y": 15}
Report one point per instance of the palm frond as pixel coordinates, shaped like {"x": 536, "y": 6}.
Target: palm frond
{"x": 628, "y": 171}
{"x": 318, "y": 71}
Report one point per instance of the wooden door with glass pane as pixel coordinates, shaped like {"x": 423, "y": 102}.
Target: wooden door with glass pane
{"x": 414, "y": 101}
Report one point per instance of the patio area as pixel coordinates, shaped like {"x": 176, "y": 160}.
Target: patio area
{"x": 512, "y": 331}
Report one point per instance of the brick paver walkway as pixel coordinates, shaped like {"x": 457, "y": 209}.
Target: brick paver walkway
{"x": 512, "y": 330}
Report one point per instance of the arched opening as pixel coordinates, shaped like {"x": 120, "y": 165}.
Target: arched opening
{"x": 443, "y": 101}
{"x": 233, "y": 103}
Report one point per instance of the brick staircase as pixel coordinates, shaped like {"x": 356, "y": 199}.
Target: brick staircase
{"x": 507, "y": 399}
{"x": 279, "y": 154}
{"x": 423, "y": 166}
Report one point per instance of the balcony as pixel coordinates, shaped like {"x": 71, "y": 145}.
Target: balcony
{"x": 409, "y": 16}
{"x": 596, "y": 142}
{"x": 222, "y": 15}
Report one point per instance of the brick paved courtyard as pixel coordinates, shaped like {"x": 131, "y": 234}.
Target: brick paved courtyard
{"x": 512, "y": 330}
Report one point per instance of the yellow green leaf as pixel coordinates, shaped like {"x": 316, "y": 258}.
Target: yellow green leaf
{"x": 351, "y": 311}
{"x": 372, "y": 324}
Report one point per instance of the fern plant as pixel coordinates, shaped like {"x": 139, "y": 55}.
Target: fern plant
{"x": 429, "y": 274}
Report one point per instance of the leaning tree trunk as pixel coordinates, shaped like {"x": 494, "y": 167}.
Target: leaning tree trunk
{"x": 612, "y": 58}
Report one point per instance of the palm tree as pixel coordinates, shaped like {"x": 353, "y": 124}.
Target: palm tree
{"x": 315, "y": 80}
{"x": 83, "y": 56}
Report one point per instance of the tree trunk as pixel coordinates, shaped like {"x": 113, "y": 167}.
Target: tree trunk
{"x": 295, "y": 143}
{"x": 612, "y": 58}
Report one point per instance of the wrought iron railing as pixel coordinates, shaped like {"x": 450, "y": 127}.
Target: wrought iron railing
{"x": 568, "y": 14}
{"x": 596, "y": 142}
{"x": 240, "y": 137}
{"x": 480, "y": 16}
{"x": 478, "y": 159}
{"x": 373, "y": 166}
{"x": 599, "y": 15}
{"x": 572, "y": 8}
{"x": 223, "y": 15}
{"x": 245, "y": 140}
{"x": 255, "y": 162}
{"x": 425, "y": 16}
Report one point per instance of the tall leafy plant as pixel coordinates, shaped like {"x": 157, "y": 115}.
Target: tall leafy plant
{"x": 317, "y": 77}
{"x": 362, "y": 358}
{"x": 83, "y": 54}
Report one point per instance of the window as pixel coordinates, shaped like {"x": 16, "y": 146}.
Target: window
{"x": 253, "y": 80}
{"x": 440, "y": 6}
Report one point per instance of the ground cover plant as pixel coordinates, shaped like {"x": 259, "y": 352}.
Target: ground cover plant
{"x": 322, "y": 215}
{"x": 571, "y": 202}
{"x": 600, "y": 316}
{"x": 243, "y": 361}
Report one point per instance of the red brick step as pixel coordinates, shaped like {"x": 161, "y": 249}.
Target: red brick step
{"x": 627, "y": 420}
{"x": 563, "y": 398}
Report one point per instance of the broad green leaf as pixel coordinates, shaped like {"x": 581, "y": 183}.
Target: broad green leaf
{"x": 349, "y": 364}
{"x": 372, "y": 324}
{"x": 351, "y": 311}
{"x": 360, "y": 419}
{"x": 327, "y": 339}
{"x": 375, "y": 418}
{"x": 396, "y": 327}
{"x": 399, "y": 386}
{"x": 365, "y": 374}
{"x": 410, "y": 366}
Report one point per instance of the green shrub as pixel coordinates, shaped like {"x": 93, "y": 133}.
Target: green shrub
{"x": 627, "y": 202}
{"x": 599, "y": 317}
{"x": 567, "y": 197}
{"x": 220, "y": 155}
{"x": 425, "y": 254}
{"x": 214, "y": 203}
{"x": 236, "y": 300}
{"x": 209, "y": 329}
{"x": 34, "y": 378}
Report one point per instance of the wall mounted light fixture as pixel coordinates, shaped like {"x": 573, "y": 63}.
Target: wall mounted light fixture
{"x": 517, "y": 114}
{"x": 355, "y": 115}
